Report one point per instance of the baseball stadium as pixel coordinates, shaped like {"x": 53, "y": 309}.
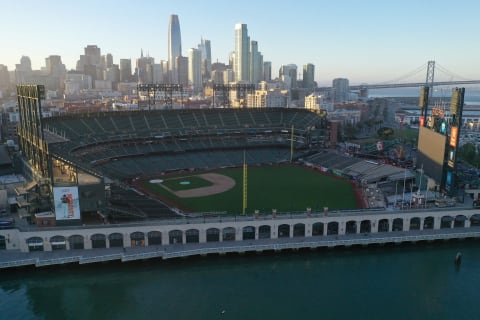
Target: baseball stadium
{"x": 155, "y": 164}
{"x": 139, "y": 165}
{"x": 204, "y": 178}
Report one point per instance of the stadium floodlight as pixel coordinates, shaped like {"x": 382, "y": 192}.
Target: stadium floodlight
{"x": 423, "y": 102}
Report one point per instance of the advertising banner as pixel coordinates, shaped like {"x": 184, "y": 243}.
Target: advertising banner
{"x": 422, "y": 121}
{"x": 67, "y": 206}
{"x": 453, "y": 136}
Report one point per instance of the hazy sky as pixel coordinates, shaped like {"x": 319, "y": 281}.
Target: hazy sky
{"x": 365, "y": 41}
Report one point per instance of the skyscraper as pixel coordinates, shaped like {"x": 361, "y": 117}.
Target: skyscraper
{"x": 241, "y": 66}
{"x": 125, "y": 70}
{"x": 4, "y": 76}
{"x": 267, "y": 71}
{"x": 144, "y": 71}
{"x": 54, "y": 65}
{"x": 288, "y": 74}
{"x": 182, "y": 70}
{"x": 91, "y": 57}
{"x": 206, "y": 51}
{"x": 108, "y": 60}
{"x": 256, "y": 63}
{"x": 56, "y": 72}
{"x": 23, "y": 71}
{"x": 341, "y": 89}
{"x": 195, "y": 69}
{"x": 308, "y": 76}
{"x": 90, "y": 63}
{"x": 174, "y": 47}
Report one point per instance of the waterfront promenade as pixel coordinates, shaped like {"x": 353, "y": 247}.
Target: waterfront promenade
{"x": 15, "y": 258}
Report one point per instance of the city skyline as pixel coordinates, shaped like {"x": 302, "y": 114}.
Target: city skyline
{"x": 364, "y": 42}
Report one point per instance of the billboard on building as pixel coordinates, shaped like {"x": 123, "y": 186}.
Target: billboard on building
{"x": 67, "y": 205}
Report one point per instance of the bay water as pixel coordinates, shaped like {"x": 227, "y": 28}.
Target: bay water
{"x": 390, "y": 282}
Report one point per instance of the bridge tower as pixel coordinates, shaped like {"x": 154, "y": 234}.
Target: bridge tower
{"x": 430, "y": 78}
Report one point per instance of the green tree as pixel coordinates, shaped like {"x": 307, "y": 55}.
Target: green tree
{"x": 468, "y": 153}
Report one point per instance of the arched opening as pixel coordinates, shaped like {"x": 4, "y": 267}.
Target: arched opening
{"x": 397, "y": 224}
{"x": 175, "y": 236}
{"x": 248, "y": 233}
{"x": 284, "y": 231}
{"x": 35, "y": 244}
{"x": 460, "y": 221}
{"x": 228, "y": 234}
{"x": 3, "y": 243}
{"x": 264, "y": 232}
{"x": 332, "y": 228}
{"x": 98, "y": 240}
{"x": 365, "y": 226}
{"x": 317, "y": 229}
{"x": 76, "y": 242}
{"x": 213, "y": 235}
{"x": 446, "y": 222}
{"x": 58, "y": 243}
{"x": 299, "y": 230}
{"x": 475, "y": 220}
{"x": 192, "y": 236}
{"x": 351, "y": 227}
{"x": 428, "y": 223}
{"x": 383, "y": 225}
{"x": 137, "y": 239}
{"x": 115, "y": 240}
{"x": 154, "y": 238}
{"x": 415, "y": 223}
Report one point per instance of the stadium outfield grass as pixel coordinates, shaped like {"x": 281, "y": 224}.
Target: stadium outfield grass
{"x": 285, "y": 188}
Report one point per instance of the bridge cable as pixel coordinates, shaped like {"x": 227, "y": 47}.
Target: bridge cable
{"x": 405, "y": 76}
{"x": 450, "y": 73}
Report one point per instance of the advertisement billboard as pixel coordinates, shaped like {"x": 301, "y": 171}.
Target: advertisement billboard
{"x": 431, "y": 153}
{"x": 67, "y": 206}
{"x": 453, "y": 136}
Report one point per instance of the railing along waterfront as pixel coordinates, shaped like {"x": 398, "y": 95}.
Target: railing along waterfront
{"x": 195, "y": 249}
{"x": 362, "y": 240}
{"x": 102, "y": 258}
{"x": 18, "y": 263}
{"x": 60, "y": 260}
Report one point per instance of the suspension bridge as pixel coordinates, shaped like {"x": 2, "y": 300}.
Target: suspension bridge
{"x": 431, "y": 68}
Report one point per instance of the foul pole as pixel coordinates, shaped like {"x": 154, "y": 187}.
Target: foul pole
{"x": 244, "y": 203}
{"x": 291, "y": 145}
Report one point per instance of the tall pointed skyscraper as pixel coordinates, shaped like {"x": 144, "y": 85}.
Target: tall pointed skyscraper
{"x": 174, "y": 47}
{"x": 241, "y": 66}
